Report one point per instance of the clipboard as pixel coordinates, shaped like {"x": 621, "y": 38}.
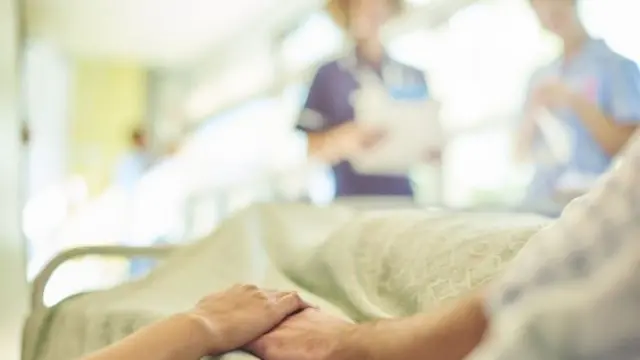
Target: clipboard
{"x": 557, "y": 136}
{"x": 410, "y": 128}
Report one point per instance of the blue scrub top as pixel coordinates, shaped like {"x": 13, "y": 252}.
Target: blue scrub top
{"x": 612, "y": 82}
{"x": 329, "y": 104}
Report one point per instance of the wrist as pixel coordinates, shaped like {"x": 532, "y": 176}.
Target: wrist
{"x": 322, "y": 146}
{"x": 358, "y": 343}
{"x": 316, "y": 144}
{"x": 202, "y": 334}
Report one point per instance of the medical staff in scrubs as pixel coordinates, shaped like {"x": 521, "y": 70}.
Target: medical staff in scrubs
{"x": 592, "y": 90}
{"x": 328, "y": 117}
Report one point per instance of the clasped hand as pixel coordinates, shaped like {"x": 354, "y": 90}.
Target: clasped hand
{"x": 272, "y": 325}
{"x": 552, "y": 94}
{"x": 348, "y": 140}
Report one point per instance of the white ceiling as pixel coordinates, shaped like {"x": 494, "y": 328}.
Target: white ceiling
{"x": 217, "y": 84}
{"x": 173, "y": 32}
{"x": 157, "y": 32}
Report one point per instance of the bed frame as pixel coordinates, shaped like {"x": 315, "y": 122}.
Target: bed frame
{"x": 39, "y": 311}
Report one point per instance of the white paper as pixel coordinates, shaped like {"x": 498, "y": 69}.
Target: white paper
{"x": 557, "y": 135}
{"x": 575, "y": 182}
{"x": 411, "y": 129}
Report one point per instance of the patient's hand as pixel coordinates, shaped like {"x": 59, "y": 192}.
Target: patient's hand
{"x": 242, "y": 314}
{"x": 309, "y": 335}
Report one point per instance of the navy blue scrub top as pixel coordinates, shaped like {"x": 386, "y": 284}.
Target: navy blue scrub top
{"x": 329, "y": 104}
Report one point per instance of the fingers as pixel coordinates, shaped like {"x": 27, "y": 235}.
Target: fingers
{"x": 373, "y": 139}
{"x": 278, "y": 296}
{"x": 285, "y": 302}
{"x": 256, "y": 348}
{"x": 310, "y": 305}
{"x": 289, "y": 304}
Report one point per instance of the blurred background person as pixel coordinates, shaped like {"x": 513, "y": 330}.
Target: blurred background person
{"x": 328, "y": 118}
{"x": 135, "y": 163}
{"x": 130, "y": 170}
{"x": 592, "y": 92}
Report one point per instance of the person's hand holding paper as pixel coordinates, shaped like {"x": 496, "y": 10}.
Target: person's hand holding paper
{"x": 411, "y": 131}
{"x": 349, "y": 140}
{"x": 552, "y": 94}
{"x": 557, "y": 135}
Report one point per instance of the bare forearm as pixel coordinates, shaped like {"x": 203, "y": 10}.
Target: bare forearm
{"x": 321, "y": 147}
{"x": 177, "y": 338}
{"x": 611, "y": 136}
{"x": 449, "y": 335}
{"x": 316, "y": 144}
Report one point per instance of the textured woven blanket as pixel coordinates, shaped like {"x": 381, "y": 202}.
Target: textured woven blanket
{"x": 361, "y": 265}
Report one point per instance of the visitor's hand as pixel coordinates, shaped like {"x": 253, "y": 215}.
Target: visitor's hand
{"x": 242, "y": 314}
{"x": 309, "y": 335}
{"x": 552, "y": 94}
{"x": 350, "y": 139}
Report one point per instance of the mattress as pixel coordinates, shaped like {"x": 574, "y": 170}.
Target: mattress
{"x": 359, "y": 265}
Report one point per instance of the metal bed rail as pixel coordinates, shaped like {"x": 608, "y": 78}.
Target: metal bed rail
{"x": 39, "y": 310}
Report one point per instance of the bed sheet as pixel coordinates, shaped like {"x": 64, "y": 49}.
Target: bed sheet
{"x": 359, "y": 265}
{"x": 386, "y": 264}
{"x": 236, "y": 253}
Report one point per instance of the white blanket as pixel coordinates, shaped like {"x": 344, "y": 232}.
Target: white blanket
{"x": 359, "y": 265}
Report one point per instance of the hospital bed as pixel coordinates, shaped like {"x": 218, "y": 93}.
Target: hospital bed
{"x": 357, "y": 264}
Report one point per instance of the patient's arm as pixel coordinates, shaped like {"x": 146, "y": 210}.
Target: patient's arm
{"x": 575, "y": 253}
{"x": 181, "y": 337}
{"x": 449, "y": 334}
{"x": 219, "y": 323}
